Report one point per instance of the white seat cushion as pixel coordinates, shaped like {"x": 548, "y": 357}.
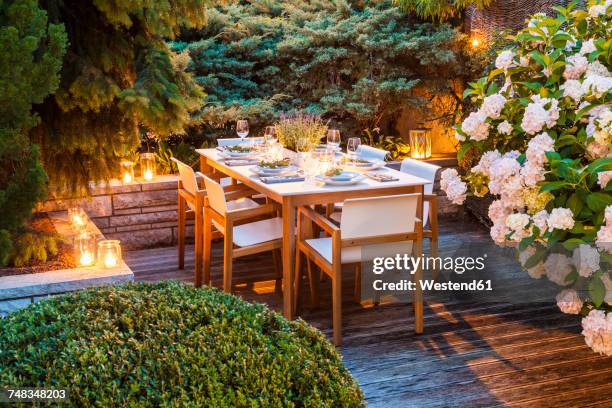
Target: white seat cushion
{"x": 356, "y": 253}
{"x": 238, "y": 204}
{"x": 258, "y": 232}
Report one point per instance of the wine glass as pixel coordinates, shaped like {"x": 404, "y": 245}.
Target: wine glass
{"x": 242, "y": 128}
{"x": 333, "y": 139}
{"x": 270, "y": 135}
{"x": 352, "y": 146}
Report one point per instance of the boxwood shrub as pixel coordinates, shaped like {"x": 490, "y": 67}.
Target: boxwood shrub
{"x": 170, "y": 344}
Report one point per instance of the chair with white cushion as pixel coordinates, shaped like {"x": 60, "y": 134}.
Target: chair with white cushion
{"x": 246, "y": 231}
{"x": 371, "y": 153}
{"x": 363, "y": 152}
{"x": 234, "y": 141}
{"x": 426, "y": 171}
{"x": 191, "y": 199}
{"x": 396, "y": 230}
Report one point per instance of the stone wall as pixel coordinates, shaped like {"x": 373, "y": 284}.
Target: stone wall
{"x": 141, "y": 214}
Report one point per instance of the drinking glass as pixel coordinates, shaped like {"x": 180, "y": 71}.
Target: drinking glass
{"x": 242, "y": 128}
{"x": 352, "y": 146}
{"x": 270, "y": 135}
{"x": 333, "y": 139}
{"x": 311, "y": 168}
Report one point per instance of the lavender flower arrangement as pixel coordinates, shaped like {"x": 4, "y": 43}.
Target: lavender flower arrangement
{"x": 299, "y": 130}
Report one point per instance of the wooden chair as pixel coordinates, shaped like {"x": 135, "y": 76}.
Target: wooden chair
{"x": 364, "y": 152}
{"x": 396, "y": 230}
{"x": 426, "y": 171}
{"x": 244, "y": 231}
{"x": 191, "y": 199}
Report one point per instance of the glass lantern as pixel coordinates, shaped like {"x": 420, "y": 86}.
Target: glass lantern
{"x": 127, "y": 171}
{"x": 109, "y": 253}
{"x": 85, "y": 248}
{"x": 420, "y": 143}
{"x": 78, "y": 218}
{"x": 147, "y": 166}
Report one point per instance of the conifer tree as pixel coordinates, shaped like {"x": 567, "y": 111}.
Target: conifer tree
{"x": 118, "y": 76}
{"x": 31, "y": 52}
{"x": 357, "y": 63}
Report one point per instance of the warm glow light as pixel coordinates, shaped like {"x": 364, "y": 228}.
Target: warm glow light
{"x": 78, "y": 220}
{"x": 86, "y": 259}
{"x": 127, "y": 178}
{"x": 110, "y": 261}
{"x": 475, "y": 42}
{"x": 148, "y": 175}
{"x": 420, "y": 143}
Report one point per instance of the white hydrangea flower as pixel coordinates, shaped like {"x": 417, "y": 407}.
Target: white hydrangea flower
{"x": 558, "y": 266}
{"x": 597, "y": 10}
{"x": 538, "y": 147}
{"x": 604, "y": 238}
{"x": 524, "y": 61}
{"x": 487, "y": 159}
{"x": 540, "y": 220}
{"x": 576, "y": 65}
{"x": 569, "y": 302}
{"x": 451, "y": 184}
{"x": 561, "y": 219}
{"x": 603, "y": 178}
{"x": 493, "y": 105}
{"x": 532, "y": 173}
{"x": 597, "y": 68}
{"x": 573, "y": 89}
{"x": 608, "y": 215}
{"x": 536, "y": 115}
{"x": 597, "y": 331}
{"x": 498, "y": 211}
{"x": 498, "y": 233}
{"x": 504, "y": 128}
{"x": 586, "y": 259}
{"x": 596, "y": 150}
{"x": 501, "y": 170}
{"x": 476, "y": 126}
{"x": 596, "y": 85}
{"x": 587, "y": 47}
{"x": 517, "y": 223}
{"x": 505, "y": 60}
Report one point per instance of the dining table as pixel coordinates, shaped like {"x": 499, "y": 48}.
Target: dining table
{"x": 291, "y": 195}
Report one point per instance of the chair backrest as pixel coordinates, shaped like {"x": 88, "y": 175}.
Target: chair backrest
{"x": 216, "y": 195}
{"x": 234, "y": 141}
{"x": 372, "y": 153}
{"x": 424, "y": 170}
{"x": 187, "y": 176}
{"x": 368, "y": 217}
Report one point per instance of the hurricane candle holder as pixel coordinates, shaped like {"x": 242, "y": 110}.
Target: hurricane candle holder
{"x": 78, "y": 218}
{"x": 127, "y": 171}
{"x": 109, "y": 253}
{"x": 420, "y": 143}
{"x": 147, "y": 166}
{"x": 85, "y": 248}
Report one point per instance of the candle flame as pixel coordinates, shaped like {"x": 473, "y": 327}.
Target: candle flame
{"x": 127, "y": 178}
{"x": 110, "y": 261}
{"x": 86, "y": 258}
{"x": 148, "y": 175}
{"x": 78, "y": 220}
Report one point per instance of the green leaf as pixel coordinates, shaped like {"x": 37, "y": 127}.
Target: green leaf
{"x": 535, "y": 258}
{"x": 575, "y": 204}
{"x": 597, "y": 291}
{"x": 598, "y": 201}
{"x": 554, "y": 185}
{"x": 572, "y": 243}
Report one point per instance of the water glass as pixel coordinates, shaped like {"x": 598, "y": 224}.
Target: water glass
{"x": 270, "y": 135}
{"x": 242, "y": 128}
{"x": 333, "y": 139}
{"x": 352, "y": 146}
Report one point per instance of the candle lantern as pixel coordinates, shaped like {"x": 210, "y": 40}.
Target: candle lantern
{"x": 85, "y": 248}
{"x": 127, "y": 171}
{"x": 147, "y": 166}
{"x": 77, "y": 217}
{"x": 420, "y": 143}
{"x": 109, "y": 253}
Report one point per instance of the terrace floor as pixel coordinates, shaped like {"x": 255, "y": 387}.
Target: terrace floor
{"x": 474, "y": 352}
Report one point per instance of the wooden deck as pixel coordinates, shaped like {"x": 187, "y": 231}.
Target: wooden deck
{"x": 475, "y": 352}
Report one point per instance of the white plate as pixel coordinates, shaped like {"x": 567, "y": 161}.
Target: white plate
{"x": 285, "y": 171}
{"x": 355, "y": 178}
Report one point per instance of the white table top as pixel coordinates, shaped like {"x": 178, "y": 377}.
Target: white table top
{"x": 302, "y": 188}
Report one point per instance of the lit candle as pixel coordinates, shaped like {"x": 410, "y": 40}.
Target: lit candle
{"x": 110, "y": 261}
{"x": 77, "y": 216}
{"x": 86, "y": 259}
{"x": 148, "y": 175}
{"x": 127, "y": 178}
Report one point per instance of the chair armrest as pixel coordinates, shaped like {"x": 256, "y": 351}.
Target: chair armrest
{"x": 236, "y": 193}
{"x": 246, "y": 213}
{"x": 318, "y": 219}
{"x": 430, "y": 197}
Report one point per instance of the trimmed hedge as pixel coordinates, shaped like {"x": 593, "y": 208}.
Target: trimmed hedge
{"x": 169, "y": 344}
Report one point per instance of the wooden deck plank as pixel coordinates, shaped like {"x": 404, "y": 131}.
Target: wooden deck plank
{"x": 472, "y": 353}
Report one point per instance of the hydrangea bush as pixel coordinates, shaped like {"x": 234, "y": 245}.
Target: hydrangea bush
{"x": 543, "y": 136}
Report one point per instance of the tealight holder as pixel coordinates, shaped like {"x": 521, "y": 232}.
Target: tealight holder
{"x": 420, "y": 143}
{"x": 127, "y": 171}
{"x": 147, "y": 166}
{"x": 109, "y": 253}
{"x": 78, "y": 218}
{"x": 85, "y": 248}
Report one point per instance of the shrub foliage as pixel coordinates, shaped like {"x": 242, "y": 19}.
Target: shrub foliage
{"x": 168, "y": 344}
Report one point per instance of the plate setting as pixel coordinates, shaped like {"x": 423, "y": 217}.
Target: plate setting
{"x": 362, "y": 165}
{"x": 339, "y": 177}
